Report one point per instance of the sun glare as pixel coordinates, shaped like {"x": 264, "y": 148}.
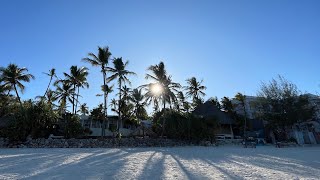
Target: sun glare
{"x": 156, "y": 89}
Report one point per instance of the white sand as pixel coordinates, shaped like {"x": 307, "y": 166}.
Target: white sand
{"x": 161, "y": 163}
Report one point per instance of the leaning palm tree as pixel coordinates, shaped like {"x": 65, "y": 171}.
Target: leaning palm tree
{"x": 120, "y": 73}
{"x": 101, "y": 60}
{"x": 195, "y": 89}
{"x": 13, "y": 76}
{"x": 78, "y": 78}
{"x": 51, "y": 74}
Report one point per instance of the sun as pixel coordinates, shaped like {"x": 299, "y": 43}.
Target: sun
{"x": 156, "y": 89}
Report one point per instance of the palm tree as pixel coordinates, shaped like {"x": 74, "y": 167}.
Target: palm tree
{"x": 77, "y": 78}
{"x": 162, "y": 81}
{"x": 106, "y": 91}
{"x": 84, "y": 109}
{"x": 151, "y": 97}
{"x": 101, "y": 60}
{"x": 162, "y": 89}
{"x": 241, "y": 98}
{"x": 52, "y": 73}
{"x": 226, "y": 105}
{"x": 64, "y": 93}
{"x": 120, "y": 72}
{"x": 137, "y": 98}
{"x": 13, "y": 76}
{"x": 181, "y": 103}
{"x": 49, "y": 97}
{"x": 195, "y": 89}
{"x": 113, "y": 105}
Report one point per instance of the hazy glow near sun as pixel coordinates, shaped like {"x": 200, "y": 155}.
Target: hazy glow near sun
{"x": 156, "y": 89}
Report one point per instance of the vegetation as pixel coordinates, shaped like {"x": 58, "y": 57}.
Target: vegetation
{"x": 57, "y": 110}
{"x": 195, "y": 89}
{"x": 282, "y": 105}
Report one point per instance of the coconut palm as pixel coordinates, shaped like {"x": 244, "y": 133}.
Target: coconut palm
{"x": 84, "y": 109}
{"x": 162, "y": 81}
{"x": 13, "y": 76}
{"x": 49, "y": 97}
{"x": 64, "y": 93}
{"x": 137, "y": 98}
{"x": 120, "y": 73}
{"x": 195, "y": 89}
{"x": 113, "y": 105}
{"x": 163, "y": 89}
{"x": 5, "y": 99}
{"x": 151, "y": 97}
{"x": 51, "y": 74}
{"x": 182, "y": 103}
{"x": 241, "y": 98}
{"x": 77, "y": 78}
{"x": 101, "y": 60}
{"x": 106, "y": 91}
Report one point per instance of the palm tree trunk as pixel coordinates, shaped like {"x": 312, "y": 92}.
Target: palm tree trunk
{"x": 48, "y": 87}
{"x": 75, "y": 110}
{"x": 119, "y": 106}
{"x": 105, "y": 102}
{"x": 245, "y": 121}
{"x": 164, "y": 119}
{"x": 73, "y": 98}
{"x": 15, "y": 88}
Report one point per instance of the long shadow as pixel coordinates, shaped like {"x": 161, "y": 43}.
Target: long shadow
{"x": 56, "y": 165}
{"x": 223, "y": 171}
{"x": 189, "y": 174}
{"x": 293, "y": 169}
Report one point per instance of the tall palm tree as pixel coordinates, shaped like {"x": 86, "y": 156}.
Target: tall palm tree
{"x": 120, "y": 73}
{"x": 163, "y": 82}
{"x": 241, "y": 98}
{"x": 78, "y": 78}
{"x": 151, "y": 97}
{"x": 195, "y": 89}
{"x": 101, "y": 60}
{"x": 13, "y": 76}
{"x": 106, "y": 91}
{"x": 51, "y": 74}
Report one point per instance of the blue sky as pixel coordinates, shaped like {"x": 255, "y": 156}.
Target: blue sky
{"x": 232, "y": 45}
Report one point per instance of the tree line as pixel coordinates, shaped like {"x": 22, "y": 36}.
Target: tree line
{"x": 280, "y": 102}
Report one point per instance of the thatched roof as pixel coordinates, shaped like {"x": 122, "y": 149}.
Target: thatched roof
{"x": 208, "y": 109}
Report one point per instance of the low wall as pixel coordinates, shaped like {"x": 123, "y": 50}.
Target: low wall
{"x": 103, "y": 143}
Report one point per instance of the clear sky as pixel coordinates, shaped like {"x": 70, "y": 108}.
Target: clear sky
{"x": 232, "y": 45}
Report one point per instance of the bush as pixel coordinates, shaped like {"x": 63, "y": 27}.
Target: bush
{"x": 34, "y": 118}
{"x": 73, "y": 127}
{"x": 185, "y": 126}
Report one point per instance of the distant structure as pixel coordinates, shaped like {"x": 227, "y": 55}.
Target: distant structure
{"x": 307, "y": 132}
